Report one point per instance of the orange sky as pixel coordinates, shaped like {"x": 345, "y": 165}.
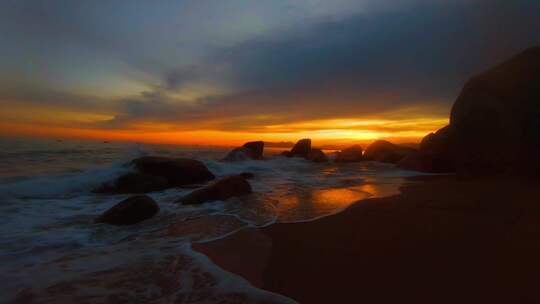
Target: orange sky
{"x": 329, "y": 131}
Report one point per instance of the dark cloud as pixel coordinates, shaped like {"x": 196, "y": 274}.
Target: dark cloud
{"x": 276, "y": 69}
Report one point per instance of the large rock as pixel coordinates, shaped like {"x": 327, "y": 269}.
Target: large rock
{"x": 317, "y": 156}
{"x": 436, "y": 155}
{"x": 350, "y": 154}
{"x": 158, "y": 173}
{"x": 300, "y": 149}
{"x": 250, "y": 150}
{"x": 130, "y": 211}
{"x": 221, "y": 189}
{"x": 496, "y": 118}
{"x": 135, "y": 183}
{"x": 177, "y": 171}
{"x": 386, "y": 152}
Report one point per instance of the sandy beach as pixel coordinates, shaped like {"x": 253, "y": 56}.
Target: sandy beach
{"x": 442, "y": 240}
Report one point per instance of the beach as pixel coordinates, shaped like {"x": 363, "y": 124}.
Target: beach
{"x": 442, "y": 240}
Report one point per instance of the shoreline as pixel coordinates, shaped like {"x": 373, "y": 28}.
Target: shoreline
{"x": 440, "y": 240}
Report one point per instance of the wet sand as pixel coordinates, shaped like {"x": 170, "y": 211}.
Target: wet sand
{"x": 441, "y": 240}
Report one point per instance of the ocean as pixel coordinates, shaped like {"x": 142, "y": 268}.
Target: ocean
{"x": 52, "y": 252}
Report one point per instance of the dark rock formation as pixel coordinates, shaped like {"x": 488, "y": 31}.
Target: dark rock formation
{"x": 300, "y": 149}
{"x": 386, "y": 152}
{"x": 135, "y": 183}
{"x": 247, "y": 175}
{"x": 159, "y": 173}
{"x": 130, "y": 211}
{"x": 317, "y": 156}
{"x": 500, "y": 107}
{"x": 221, "y": 189}
{"x": 250, "y": 150}
{"x": 350, "y": 154}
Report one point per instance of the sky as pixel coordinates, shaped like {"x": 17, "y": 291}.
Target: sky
{"x": 222, "y": 72}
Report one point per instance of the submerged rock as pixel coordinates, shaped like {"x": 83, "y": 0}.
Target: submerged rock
{"x": 158, "y": 173}
{"x": 350, "y": 154}
{"x": 250, "y": 150}
{"x": 317, "y": 156}
{"x": 221, "y": 189}
{"x": 386, "y": 152}
{"x": 130, "y": 211}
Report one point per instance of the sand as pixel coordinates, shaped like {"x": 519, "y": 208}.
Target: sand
{"x": 442, "y": 240}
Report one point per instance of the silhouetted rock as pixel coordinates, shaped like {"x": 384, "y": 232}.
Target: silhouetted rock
{"x": 221, "y": 189}
{"x": 177, "y": 171}
{"x": 130, "y": 211}
{"x": 287, "y": 153}
{"x": 247, "y": 175}
{"x": 158, "y": 173}
{"x": 500, "y": 107}
{"x": 250, "y": 150}
{"x": 387, "y": 152}
{"x": 317, "y": 156}
{"x": 350, "y": 154}
{"x": 135, "y": 183}
{"x": 426, "y": 162}
{"x": 300, "y": 149}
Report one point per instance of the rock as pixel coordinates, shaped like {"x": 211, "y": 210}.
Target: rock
{"x": 387, "y": 152}
{"x": 500, "y": 107}
{"x": 287, "y": 154}
{"x": 221, "y": 189}
{"x": 247, "y": 175}
{"x": 317, "y": 156}
{"x": 426, "y": 162}
{"x": 250, "y": 150}
{"x": 177, "y": 171}
{"x": 256, "y": 149}
{"x": 351, "y": 154}
{"x": 238, "y": 154}
{"x": 135, "y": 183}
{"x": 158, "y": 173}
{"x": 301, "y": 148}
{"x": 130, "y": 211}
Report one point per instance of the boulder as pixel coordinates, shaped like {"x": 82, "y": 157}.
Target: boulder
{"x": 247, "y": 175}
{"x": 500, "y": 107}
{"x": 426, "y": 162}
{"x": 177, "y": 171}
{"x": 350, "y": 154}
{"x": 130, "y": 211}
{"x": 135, "y": 183}
{"x": 256, "y": 149}
{"x": 221, "y": 189}
{"x": 386, "y": 152}
{"x": 317, "y": 156}
{"x": 301, "y": 148}
{"x": 158, "y": 173}
{"x": 250, "y": 150}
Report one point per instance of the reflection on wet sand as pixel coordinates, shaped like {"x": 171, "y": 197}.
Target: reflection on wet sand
{"x": 308, "y": 204}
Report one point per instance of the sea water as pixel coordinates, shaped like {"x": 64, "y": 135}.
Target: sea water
{"x": 52, "y": 252}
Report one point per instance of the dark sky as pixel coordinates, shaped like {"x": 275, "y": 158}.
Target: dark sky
{"x": 247, "y": 66}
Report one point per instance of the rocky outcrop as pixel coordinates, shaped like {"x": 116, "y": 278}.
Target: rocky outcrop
{"x": 158, "y": 173}
{"x": 386, "y": 152}
{"x": 221, "y": 189}
{"x": 317, "y": 156}
{"x": 300, "y": 149}
{"x": 494, "y": 124}
{"x": 500, "y": 107}
{"x": 350, "y": 154}
{"x": 130, "y": 211}
{"x": 436, "y": 154}
{"x": 249, "y": 151}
